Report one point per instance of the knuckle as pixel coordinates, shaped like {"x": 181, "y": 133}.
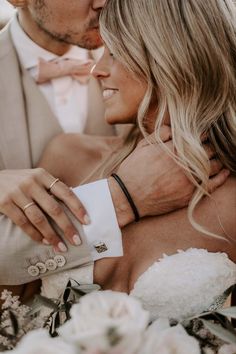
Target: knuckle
{"x": 39, "y": 171}
{"x": 38, "y": 219}
{"x": 27, "y": 184}
{"x": 69, "y": 230}
{"x": 51, "y": 239}
{"x": 55, "y": 210}
{"x": 21, "y": 221}
{"x": 35, "y": 236}
{"x": 5, "y": 202}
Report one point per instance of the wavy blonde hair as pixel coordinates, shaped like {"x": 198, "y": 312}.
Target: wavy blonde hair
{"x": 186, "y": 52}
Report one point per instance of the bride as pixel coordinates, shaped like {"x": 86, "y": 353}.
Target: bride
{"x": 172, "y": 63}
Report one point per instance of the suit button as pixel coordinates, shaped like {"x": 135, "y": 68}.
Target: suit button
{"x": 60, "y": 260}
{"x": 51, "y": 264}
{"x": 42, "y": 268}
{"x": 33, "y": 271}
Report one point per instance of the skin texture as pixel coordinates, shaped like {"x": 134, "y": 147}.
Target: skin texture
{"x": 122, "y": 91}
{"x": 54, "y": 25}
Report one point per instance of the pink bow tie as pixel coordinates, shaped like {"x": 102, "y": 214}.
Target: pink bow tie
{"x": 78, "y": 69}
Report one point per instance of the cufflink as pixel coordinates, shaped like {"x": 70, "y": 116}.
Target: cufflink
{"x": 100, "y": 247}
{"x": 51, "y": 264}
{"x": 60, "y": 260}
{"x": 33, "y": 271}
{"x": 41, "y": 266}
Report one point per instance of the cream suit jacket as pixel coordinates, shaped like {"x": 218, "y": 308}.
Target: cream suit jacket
{"x": 27, "y": 124}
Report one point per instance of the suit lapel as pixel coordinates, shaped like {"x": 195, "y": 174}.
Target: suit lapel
{"x": 27, "y": 122}
{"x": 14, "y": 147}
{"x": 42, "y": 123}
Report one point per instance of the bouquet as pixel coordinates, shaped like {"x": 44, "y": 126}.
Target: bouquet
{"x": 88, "y": 321}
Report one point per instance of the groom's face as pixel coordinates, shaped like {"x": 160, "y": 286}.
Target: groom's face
{"x": 71, "y": 21}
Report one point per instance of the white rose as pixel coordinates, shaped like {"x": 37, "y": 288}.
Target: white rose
{"x": 39, "y": 342}
{"x": 160, "y": 338}
{"x": 97, "y": 313}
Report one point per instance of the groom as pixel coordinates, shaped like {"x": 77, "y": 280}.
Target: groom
{"x": 28, "y": 123}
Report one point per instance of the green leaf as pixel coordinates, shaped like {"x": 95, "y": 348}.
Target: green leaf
{"x": 220, "y": 332}
{"x": 228, "y": 312}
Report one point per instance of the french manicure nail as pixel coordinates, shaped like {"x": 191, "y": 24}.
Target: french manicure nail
{"x": 76, "y": 239}
{"x": 45, "y": 242}
{"x": 62, "y": 247}
{"x": 87, "y": 220}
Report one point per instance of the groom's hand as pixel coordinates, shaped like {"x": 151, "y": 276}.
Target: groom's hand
{"x": 156, "y": 183}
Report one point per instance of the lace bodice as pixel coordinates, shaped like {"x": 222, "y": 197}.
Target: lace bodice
{"x": 176, "y": 286}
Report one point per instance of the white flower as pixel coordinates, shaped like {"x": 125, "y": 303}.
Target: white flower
{"x": 228, "y": 349}
{"x": 160, "y": 338}
{"x": 103, "y": 311}
{"x": 39, "y": 342}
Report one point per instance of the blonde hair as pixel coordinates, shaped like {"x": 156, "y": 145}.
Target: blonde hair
{"x": 186, "y": 52}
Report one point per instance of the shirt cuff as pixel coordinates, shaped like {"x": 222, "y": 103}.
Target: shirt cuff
{"x": 103, "y": 233}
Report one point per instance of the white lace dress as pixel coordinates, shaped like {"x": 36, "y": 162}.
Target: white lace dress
{"x": 177, "y": 286}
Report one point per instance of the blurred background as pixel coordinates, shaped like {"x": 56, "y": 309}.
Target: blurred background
{"x": 6, "y": 11}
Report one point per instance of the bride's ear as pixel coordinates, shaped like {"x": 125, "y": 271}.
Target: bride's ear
{"x": 18, "y": 3}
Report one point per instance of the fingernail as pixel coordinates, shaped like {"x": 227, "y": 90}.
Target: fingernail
{"x": 45, "y": 242}
{"x": 87, "y": 220}
{"x": 62, "y": 247}
{"x": 76, "y": 239}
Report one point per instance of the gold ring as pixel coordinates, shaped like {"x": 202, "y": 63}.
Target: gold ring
{"x": 27, "y": 206}
{"x": 52, "y": 184}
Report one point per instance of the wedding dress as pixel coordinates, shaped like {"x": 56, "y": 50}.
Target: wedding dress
{"x": 177, "y": 286}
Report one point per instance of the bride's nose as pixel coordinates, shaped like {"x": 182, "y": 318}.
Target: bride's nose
{"x": 100, "y": 71}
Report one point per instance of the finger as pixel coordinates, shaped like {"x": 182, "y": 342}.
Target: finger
{"x": 40, "y": 222}
{"x": 37, "y": 218}
{"x": 56, "y": 212}
{"x": 218, "y": 180}
{"x": 14, "y": 213}
{"x": 64, "y": 193}
{"x": 67, "y": 196}
{"x": 215, "y": 167}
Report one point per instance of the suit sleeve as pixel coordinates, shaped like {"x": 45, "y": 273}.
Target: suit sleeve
{"x": 22, "y": 260}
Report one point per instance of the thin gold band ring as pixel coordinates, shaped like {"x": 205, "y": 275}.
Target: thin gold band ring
{"x": 27, "y": 206}
{"x": 52, "y": 184}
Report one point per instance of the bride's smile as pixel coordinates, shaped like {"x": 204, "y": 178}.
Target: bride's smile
{"x": 123, "y": 90}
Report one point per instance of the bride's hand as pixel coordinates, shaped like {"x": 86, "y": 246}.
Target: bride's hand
{"x": 156, "y": 183}
{"x": 27, "y": 198}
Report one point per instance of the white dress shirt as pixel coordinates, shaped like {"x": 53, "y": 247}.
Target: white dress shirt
{"x": 68, "y": 100}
